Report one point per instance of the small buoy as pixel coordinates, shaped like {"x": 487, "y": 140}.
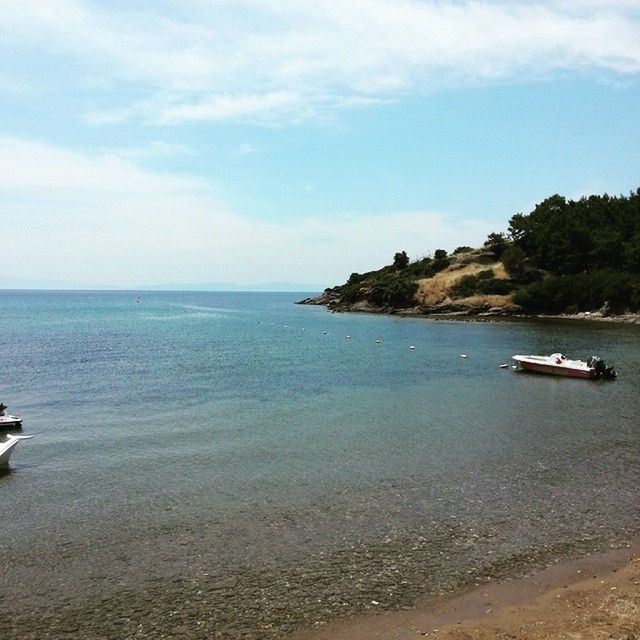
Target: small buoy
{"x": 463, "y": 355}
{"x": 303, "y": 328}
{"x": 324, "y": 333}
{"x": 286, "y": 326}
{"x": 348, "y": 336}
{"x": 504, "y": 366}
{"x": 411, "y": 347}
{"x": 377, "y": 341}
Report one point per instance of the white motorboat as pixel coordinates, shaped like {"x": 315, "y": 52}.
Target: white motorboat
{"x": 558, "y": 365}
{"x": 10, "y": 422}
{"x": 7, "y": 447}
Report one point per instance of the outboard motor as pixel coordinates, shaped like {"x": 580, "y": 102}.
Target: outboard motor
{"x": 601, "y": 369}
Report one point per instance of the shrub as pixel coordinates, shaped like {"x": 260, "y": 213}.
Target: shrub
{"x": 421, "y": 269}
{"x": 400, "y": 260}
{"x": 496, "y": 243}
{"x": 582, "y": 291}
{"x": 401, "y": 293}
{"x": 495, "y": 287}
{"x": 465, "y": 287}
{"x": 484, "y": 283}
{"x": 439, "y": 264}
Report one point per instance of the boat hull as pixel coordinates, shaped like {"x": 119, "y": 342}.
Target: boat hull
{"x": 10, "y": 422}
{"x": 553, "y": 370}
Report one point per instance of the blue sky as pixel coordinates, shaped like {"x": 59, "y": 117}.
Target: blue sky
{"x": 263, "y": 141}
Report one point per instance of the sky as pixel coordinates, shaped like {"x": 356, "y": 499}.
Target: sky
{"x": 255, "y": 141}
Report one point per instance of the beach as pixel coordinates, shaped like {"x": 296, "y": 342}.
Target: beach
{"x": 597, "y": 596}
{"x": 237, "y": 466}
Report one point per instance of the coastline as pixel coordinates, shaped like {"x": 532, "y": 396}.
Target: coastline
{"x": 478, "y": 314}
{"x": 261, "y": 604}
{"x": 593, "y": 596}
{"x": 345, "y": 595}
{"x": 97, "y": 564}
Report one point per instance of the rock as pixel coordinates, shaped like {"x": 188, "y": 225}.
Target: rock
{"x": 362, "y": 305}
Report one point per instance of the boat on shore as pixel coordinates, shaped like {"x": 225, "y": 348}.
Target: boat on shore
{"x": 558, "y": 365}
{"x": 7, "y": 447}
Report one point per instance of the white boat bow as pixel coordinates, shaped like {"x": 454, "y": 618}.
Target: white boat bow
{"x": 7, "y": 447}
{"x": 10, "y": 422}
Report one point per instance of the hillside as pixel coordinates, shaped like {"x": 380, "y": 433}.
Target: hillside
{"x": 564, "y": 257}
{"x": 469, "y": 281}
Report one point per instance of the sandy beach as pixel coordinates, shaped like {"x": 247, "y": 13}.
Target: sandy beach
{"x": 351, "y": 483}
{"x": 593, "y": 597}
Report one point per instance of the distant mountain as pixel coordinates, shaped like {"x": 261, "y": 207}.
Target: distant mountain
{"x": 7, "y": 282}
{"x": 230, "y": 286}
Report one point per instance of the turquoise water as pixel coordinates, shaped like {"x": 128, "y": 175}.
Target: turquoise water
{"x": 252, "y": 431}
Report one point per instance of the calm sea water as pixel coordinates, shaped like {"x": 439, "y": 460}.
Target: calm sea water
{"x": 241, "y": 429}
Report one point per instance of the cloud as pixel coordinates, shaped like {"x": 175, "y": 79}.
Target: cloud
{"x": 79, "y": 216}
{"x": 223, "y": 107}
{"x": 28, "y": 164}
{"x": 273, "y": 61}
{"x": 153, "y": 149}
{"x": 245, "y": 149}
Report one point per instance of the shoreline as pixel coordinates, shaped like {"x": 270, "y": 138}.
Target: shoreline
{"x": 326, "y": 597}
{"x": 597, "y": 595}
{"x": 471, "y": 315}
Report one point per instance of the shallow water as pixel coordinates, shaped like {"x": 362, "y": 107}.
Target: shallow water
{"x": 228, "y": 443}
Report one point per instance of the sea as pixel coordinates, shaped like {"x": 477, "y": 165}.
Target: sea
{"x": 236, "y": 465}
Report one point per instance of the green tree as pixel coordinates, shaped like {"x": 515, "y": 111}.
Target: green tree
{"x": 515, "y": 262}
{"x": 401, "y": 260}
{"x": 496, "y": 243}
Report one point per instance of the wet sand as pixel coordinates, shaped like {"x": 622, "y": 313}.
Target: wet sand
{"x": 593, "y": 597}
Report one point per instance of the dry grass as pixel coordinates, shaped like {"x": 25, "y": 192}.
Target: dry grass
{"x": 480, "y": 300}
{"x": 436, "y": 290}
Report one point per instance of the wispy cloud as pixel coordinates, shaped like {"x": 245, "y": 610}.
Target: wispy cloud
{"x": 272, "y": 61}
{"x": 115, "y": 222}
{"x": 245, "y": 149}
{"x": 153, "y": 149}
{"x": 28, "y": 164}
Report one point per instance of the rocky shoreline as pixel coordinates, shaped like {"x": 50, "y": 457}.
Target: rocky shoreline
{"x": 330, "y": 298}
